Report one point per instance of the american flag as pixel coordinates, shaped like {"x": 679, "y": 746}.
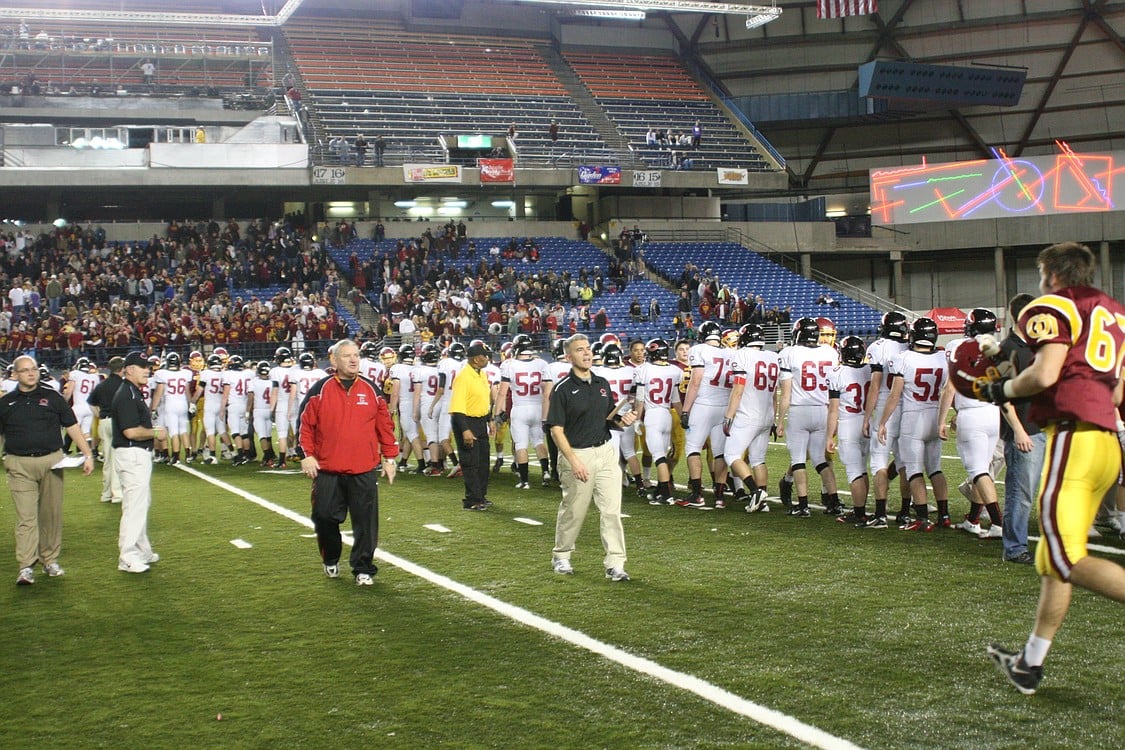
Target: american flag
{"x": 840, "y": 8}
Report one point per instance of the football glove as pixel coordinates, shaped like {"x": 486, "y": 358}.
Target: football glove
{"x": 684, "y": 419}
{"x": 727, "y": 422}
{"x": 501, "y": 417}
{"x": 191, "y": 409}
{"x": 991, "y": 390}
{"x": 989, "y": 345}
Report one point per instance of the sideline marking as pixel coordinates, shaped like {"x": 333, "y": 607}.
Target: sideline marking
{"x": 241, "y": 543}
{"x": 705, "y": 690}
{"x": 528, "y": 521}
{"x": 436, "y": 527}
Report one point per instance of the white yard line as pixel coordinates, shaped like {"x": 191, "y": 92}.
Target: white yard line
{"x": 724, "y": 698}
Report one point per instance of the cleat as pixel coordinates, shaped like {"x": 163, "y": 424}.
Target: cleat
{"x": 616, "y": 575}
{"x": 903, "y": 519}
{"x": 798, "y": 512}
{"x": 695, "y": 501}
{"x": 924, "y": 525}
{"x": 514, "y": 468}
{"x": 173, "y": 460}
{"x": 643, "y": 492}
{"x": 364, "y": 579}
{"x": 53, "y": 570}
{"x": 433, "y": 471}
{"x": 545, "y": 482}
{"x": 497, "y": 465}
{"x": 659, "y": 500}
{"x": 523, "y": 485}
{"x": 969, "y": 526}
{"x": 720, "y": 504}
{"x": 1011, "y": 665}
{"x": 995, "y": 531}
{"x": 855, "y": 519}
{"x": 757, "y": 502}
{"x": 159, "y": 458}
{"x": 562, "y": 567}
{"x": 227, "y": 454}
{"x": 332, "y": 571}
{"x": 26, "y": 577}
{"x": 190, "y": 458}
{"x": 211, "y": 461}
{"x": 834, "y": 510}
{"x": 455, "y": 471}
{"x": 875, "y": 522}
{"x": 945, "y": 522}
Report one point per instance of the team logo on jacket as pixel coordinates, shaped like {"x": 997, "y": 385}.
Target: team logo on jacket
{"x": 604, "y": 393}
{"x": 43, "y": 402}
{"x": 361, "y": 399}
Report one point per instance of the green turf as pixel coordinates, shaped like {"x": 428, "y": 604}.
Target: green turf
{"x": 874, "y": 636}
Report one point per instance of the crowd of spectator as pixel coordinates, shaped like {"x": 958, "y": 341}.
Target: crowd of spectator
{"x": 71, "y": 293}
{"x": 703, "y": 296}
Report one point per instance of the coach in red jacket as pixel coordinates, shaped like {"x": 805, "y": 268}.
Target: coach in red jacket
{"x": 344, "y": 430}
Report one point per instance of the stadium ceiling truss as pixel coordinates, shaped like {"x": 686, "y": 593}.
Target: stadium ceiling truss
{"x": 1070, "y": 30}
{"x": 159, "y": 17}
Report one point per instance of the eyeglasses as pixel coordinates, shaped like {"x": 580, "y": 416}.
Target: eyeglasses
{"x": 26, "y": 369}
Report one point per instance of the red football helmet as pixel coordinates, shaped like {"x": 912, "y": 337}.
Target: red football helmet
{"x": 970, "y": 368}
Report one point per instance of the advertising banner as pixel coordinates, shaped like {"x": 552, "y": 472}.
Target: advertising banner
{"x": 733, "y": 176}
{"x": 650, "y": 178}
{"x": 588, "y": 175}
{"x": 431, "y": 173}
{"x": 497, "y": 170}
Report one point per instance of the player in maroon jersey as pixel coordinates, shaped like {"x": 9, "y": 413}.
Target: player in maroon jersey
{"x": 1074, "y": 383}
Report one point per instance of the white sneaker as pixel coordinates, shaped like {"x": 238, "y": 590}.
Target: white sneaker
{"x": 153, "y": 559}
{"x": 995, "y": 531}
{"x": 128, "y": 567}
{"x": 211, "y": 461}
{"x": 969, "y": 526}
{"x": 364, "y": 579}
{"x": 523, "y": 486}
{"x": 616, "y": 574}
{"x": 332, "y": 571}
{"x": 53, "y": 570}
{"x": 562, "y": 566}
{"x": 26, "y": 577}
{"x": 757, "y": 502}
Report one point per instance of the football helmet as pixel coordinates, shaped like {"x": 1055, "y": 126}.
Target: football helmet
{"x": 153, "y": 362}
{"x": 235, "y": 362}
{"x": 657, "y": 350}
{"x": 751, "y": 334}
{"x": 222, "y": 353}
{"x": 827, "y": 331}
{"x": 44, "y": 372}
{"x": 506, "y": 350}
{"x": 710, "y": 332}
{"x": 214, "y": 362}
{"x": 307, "y": 361}
{"x": 598, "y": 350}
{"x": 806, "y": 332}
{"x": 430, "y": 354}
{"x": 924, "y": 333}
{"x": 730, "y": 338}
{"x": 369, "y": 350}
{"x": 264, "y": 369}
{"x": 609, "y": 338}
{"x": 980, "y": 321}
{"x": 612, "y": 356}
{"x": 970, "y": 369}
{"x": 521, "y": 338}
{"x": 458, "y": 351}
{"x": 894, "y": 327}
{"x": 172, "y": 361}
{"x": 406, "y": 354}
{"x": 558, "y": 348}
{"x": 283, "y": 354}
{"x": 852, "y": 351}
{"x": 387, "y": 356}
{"x": 83, "y": 364}
{"x": 523, "y": 348}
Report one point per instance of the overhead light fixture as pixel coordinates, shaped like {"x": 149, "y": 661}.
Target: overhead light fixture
{"x": 754, "y": 20}
{"x": 405, "y": 204}
{"x": 503, "y": 204}
{"x": 756, "y": 15}
{"x": 607, "y": 13}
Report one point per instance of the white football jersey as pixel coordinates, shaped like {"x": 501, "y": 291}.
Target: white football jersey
{"x": 712, "y": 365}
{"x": 305, "y": 379}
{"x": 401, "y": 372}
{"x": 923, "y": 375}
{"x": 525, "y": 380}
{"x": 238, "y": 381}
{"x": 879, "y": 355}
{"x": 761, "y": 369}
{"x": 373, "y": 370}
{"x": 808, "y": 368}
{"x": 211, "y": 381}
{"x": 852, "y": 386}
{"x": 492, "y": 372}
{"x": 84, "y": 384}
{"x": 620, "y": 380}
{"x": 556, "y": 371}
{"x": 262, "y": 388}
{"x": 449, "y": 367}
{"x": 426, "y": 380}
{"x": 177, "y": 386}
{"x": 659, "y": 383}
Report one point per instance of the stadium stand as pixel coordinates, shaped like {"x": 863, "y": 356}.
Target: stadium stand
{"x": 653, "y": 91}
{"x": 754, "y": 274}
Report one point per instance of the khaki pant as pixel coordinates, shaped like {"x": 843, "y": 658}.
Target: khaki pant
{"x": 134, "y": 468}
{"x": 111, "y": 485}
{"x": 603, "y": 487}
{"x": 37, "y": 495}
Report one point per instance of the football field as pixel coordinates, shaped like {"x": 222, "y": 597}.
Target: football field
{"x": 736, "y": 631}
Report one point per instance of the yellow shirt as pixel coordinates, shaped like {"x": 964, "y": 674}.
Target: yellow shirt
{"x": 471, "y": 393}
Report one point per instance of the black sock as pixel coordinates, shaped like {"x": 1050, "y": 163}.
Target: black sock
{"x": 834, "y": 498}
{"x": 696, "y": 486}
{"x": 749, "y": 486}
{"x": 545, "y": 466}
{"x": 974, "y": 512}
{"x": 906, "y": 505}
{"x": 720, "y": 490}
{"x": 664, "y": 489}
{"x": 942, "y": 508}
{"x": 881, "y": 508}
{"x": 994, "y": 513}
{"x": 639, "y": 481}
{"x": 522, "y": 468}
{"x": 803, "y": 502}
{"x": 453, "y": 460}
{"x": 860, "y": 511}
{"x": 922, "y": 512}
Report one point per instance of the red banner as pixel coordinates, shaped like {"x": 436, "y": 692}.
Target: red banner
{"x": 948, "y": 319}
{"x": 497, "y": 170}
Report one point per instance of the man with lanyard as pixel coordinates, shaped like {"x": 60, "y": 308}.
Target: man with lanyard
{"x": 133, "y": 436}
{"x": 344, "y": 429}
{"x": 31, "y": 419}
{"x": 580, "y": 418}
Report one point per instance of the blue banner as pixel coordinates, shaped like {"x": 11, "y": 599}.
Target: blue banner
{"x": 599, "y": 175}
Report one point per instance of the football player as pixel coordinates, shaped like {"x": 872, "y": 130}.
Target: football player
{"x": 428, "y": 385}
{"x": 556, "y": 370}
{"x": 280, "y": 375}
{"x": 894, "y": 332}
{"x": 262, "y": 389}
{"x": 917, "y": 376}
{"x": 449, "y": 365}
{"x": 750, "y": 415}
{"x": 620, "y": 379}
{"x": 80, "y": 383}
{"x": 402, "y": 373}
{"x": 170, "y": 400}
{"x": 210, "y": 390}
{"x": 522, "y": 376}
{"x": 236, "y": 393}
{"x": 703, "y": 410}
{"x": 657, "y": 397}
{"x": 849, "y": 386}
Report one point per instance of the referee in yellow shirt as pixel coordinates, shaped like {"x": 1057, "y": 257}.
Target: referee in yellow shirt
{"x": 469, "y": 408}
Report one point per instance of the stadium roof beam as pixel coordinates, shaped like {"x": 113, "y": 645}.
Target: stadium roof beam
{"x": 156, "y": 17}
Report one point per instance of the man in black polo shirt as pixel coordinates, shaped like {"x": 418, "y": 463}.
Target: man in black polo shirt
{"x": 133, "y": 435}
{"x": 31, "y": 419}
{"x": 100, "y": 400}
{"x": 580, "y": 416}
